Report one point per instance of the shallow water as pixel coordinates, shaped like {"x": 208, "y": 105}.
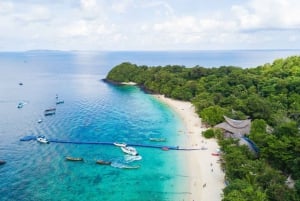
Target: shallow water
{"x": 92, "y": 111}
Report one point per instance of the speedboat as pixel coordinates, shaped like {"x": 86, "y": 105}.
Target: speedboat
{"x": 129, "y": 150}
{"x": 69, "y": 158}
{"x": 119, "y": 144}
{"x": 20, "y": 105}
{"x": 42, "y": 139}
{"x": 40, "y": 121}
{"x": 59, "y": 102}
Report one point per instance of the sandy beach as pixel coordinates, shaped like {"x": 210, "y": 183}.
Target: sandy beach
{"x": 206, "y": 176}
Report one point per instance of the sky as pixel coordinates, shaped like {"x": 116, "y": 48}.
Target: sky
{"x": 149, "y": 24}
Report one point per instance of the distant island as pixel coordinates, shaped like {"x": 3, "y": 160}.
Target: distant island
{"x": 269, "y": 95}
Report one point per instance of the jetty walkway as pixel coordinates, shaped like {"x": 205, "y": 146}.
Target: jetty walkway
{"x": 32, "y": 137}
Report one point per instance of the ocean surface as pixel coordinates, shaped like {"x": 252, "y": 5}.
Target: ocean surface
{"x": 94, "y": 111}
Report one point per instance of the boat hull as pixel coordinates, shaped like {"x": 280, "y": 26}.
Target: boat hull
{"x": 68, "y": 158}
{"x": 102, "y": 162}
{"x": 42, "y": 140}
{"x": 129, "y": 150}
{"x": 50, "y": 111}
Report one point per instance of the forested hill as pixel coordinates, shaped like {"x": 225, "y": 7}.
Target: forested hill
{"x": 268, "y": 94}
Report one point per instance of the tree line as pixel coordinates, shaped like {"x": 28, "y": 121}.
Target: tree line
{"x": 268, "y": 94}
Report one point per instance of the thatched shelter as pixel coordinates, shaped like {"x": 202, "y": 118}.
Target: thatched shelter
{"x": 235, "y": 128}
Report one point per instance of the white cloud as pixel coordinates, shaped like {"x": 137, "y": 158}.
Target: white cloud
{"x": 122, "y": 6}
{"x": 83, "y": 28}
{"x": 143, "y": 24}
{"x": 6, "y": 7}
{"x": 35, "y": 13}
{"x": 88, "y": 4}
{"x": 188, "y": 30}
{"x": 268, "y": 14}
{"x": 162, "y": 7}
{"x": 79, "y": 28}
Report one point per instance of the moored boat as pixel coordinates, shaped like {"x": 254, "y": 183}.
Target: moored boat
{"x": 50, "y": 111}
{"x": 69, "y": 158}
{"x": 42, "y": 139}
{"x": 20, "y": 105}
{"x": 129, "y": 150}
{"x": 102, "y": 162}
{"x": 60, "y": 102}
{"x": 165, "y": 148}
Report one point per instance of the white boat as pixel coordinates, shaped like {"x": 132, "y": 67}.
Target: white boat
{"x": 59, "y": 102}
{"x": 20, "y": 105}
{"x": 40, "y": 121}
{"x": 119, "y": 144}
{"x": 129, "y": 150}
{"x": 42, "y": 139}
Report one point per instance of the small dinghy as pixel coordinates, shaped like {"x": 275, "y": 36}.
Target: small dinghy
{"x": 2, "y": 162}
{"x": 165, "y": 148}
{"x": 42, "y": 139}
{"x": 102, "y": 162}
{"x": 20, "y": 105}
{"x": 60, "y": 102}
{"x": 50, "y": 111}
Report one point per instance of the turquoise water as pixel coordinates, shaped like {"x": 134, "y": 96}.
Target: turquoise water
{"x": 93, "y": 111}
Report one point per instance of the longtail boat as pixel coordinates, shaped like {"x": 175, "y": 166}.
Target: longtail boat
{"x": 102, "y": 162}
{"x": 68, "y": 158}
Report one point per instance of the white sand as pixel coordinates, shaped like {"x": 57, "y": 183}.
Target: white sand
{"x": 206, "y": 177}
{"x": 128, "y": 83}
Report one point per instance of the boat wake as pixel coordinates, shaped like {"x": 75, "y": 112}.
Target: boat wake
{"x": 124, "y": 166}
{"x": 130, "y": 158}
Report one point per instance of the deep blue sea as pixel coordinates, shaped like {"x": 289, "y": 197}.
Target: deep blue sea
{"x": 94, "y": 111}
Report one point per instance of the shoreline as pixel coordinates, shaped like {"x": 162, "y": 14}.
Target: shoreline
{"x": 206, "y": 179}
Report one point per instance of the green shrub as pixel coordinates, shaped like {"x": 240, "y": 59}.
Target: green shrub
{"x": 210, "y": 133}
